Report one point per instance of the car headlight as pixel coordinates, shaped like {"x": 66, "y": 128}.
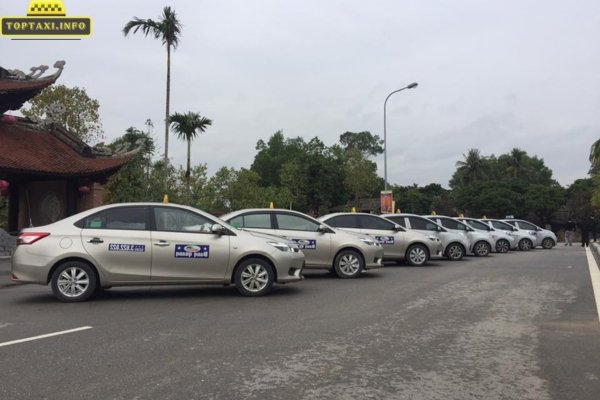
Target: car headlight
{"x": 281, "y": 246}
{"x": 369, "y": 241}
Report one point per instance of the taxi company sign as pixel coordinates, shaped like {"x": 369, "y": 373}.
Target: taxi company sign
{"x": 46, "y": 19}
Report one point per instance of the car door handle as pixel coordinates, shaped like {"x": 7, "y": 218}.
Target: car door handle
{"x": 95, "y": 240}
{"x": 162, "y": 243}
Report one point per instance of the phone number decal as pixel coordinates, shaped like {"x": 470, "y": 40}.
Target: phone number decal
{"x": 133, "y": 248}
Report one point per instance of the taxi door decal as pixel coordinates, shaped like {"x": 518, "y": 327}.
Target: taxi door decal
{"x": 192, "y": 251}
{"x": 306, "y": 244}
{"x": 385, "y": 239}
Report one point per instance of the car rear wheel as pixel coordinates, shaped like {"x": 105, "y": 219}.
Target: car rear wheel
{"x": 254, "y": 277}
{"x": 417, "y": 255}
{"x": 547, "y": 243}
{"x": 455, "y": 251}
{"x": 502, "y": 246}
{"x": 348, "y": 264}
{"x": 73, "y": 281}
{"x": 525, "y": 245}
{"x": 481, "y": 249}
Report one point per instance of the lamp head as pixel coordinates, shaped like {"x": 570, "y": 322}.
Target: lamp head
{"x": 412, "y": 85}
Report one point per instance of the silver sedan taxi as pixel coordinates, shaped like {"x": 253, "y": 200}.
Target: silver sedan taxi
{"x": 504, "y": 241}
{"x": 455, "y": 245}
{"x": 398, "y": 244}
{"x": 150, "y": 244}
{"x": 525, "y": 240}
{"x": 324, "y": 247}
{"x": 544, "y": 237}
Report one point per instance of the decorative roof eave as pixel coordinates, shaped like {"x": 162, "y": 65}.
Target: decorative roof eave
{"x": 54, "y": 151}
{"x": 16, "y": 87}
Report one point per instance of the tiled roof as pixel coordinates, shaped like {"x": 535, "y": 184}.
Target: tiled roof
{"x": 26, "y": 148}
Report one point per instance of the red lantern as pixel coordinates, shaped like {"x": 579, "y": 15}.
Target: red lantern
{"x": 4, "y": 184}
{"x": 83, "y": 189}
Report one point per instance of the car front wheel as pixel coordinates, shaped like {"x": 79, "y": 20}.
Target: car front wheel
{"x": 455, "y": 251}
{"x": 254, "y": 277}
{"x": 547, "y": 243}
{"x": 348, "y": 264}
{"x": 525, "y": 245}
{"x": 481, "y": 249}
{"x": 502, "y": 246}
{"x": 417, "y": 255}
{"x": 73, "y": 281}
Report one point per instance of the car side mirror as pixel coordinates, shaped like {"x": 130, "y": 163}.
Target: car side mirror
{"x": 323, "y": 229}
{"x": 218, "y": 229}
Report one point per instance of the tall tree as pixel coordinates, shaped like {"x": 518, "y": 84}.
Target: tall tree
{"x": 595, "y": 156}
{"x": 472, "y": 168}
{"x": 168, "y": 30}
{"x": 187, "y": 126}
{"x": 364, "y": 142}
{"x": 71, "y": 108}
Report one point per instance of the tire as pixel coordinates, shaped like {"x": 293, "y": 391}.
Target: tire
{"x": 482, "y": 249}
{"x": 74, "y": 281}
{"x": 348, "y": 264}
{"x": 254, "y": 277}
{"x": 502, "y": 246}
{"x": 417, "y": 255}
{"x": 455, "y": 251}
{"x": 525, "y": 245}
{"x": 547, "y": 243}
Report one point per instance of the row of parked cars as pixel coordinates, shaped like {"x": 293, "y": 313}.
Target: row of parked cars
{"x": 158, "y": 244}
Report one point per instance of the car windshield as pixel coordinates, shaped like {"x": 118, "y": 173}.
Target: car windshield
{"x": 502, "y": 225}
{"x": 477, "y": 225}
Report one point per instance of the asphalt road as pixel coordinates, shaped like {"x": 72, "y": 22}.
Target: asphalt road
{"x": 509, "y": 326}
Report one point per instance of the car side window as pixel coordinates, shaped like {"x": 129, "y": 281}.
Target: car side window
{"x": 452, "y": 224}
{"x": 296, "y": 223}
{"x": 179, "y": 220}
{"x": 129, "y": 218}
{"x": 527, "y": 225}
{"x": 369, "y": 222}
{"x": 422, "y": 224}
{"x": 502, "y": 226}
{"x": 511, "y": 223}
{"x": 343, "y": 221}
{"x": 398, "y": 220}
{"x": 260, "y": 221}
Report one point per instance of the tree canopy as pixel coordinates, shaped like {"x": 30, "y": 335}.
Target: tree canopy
{"x": 71, "y": 108}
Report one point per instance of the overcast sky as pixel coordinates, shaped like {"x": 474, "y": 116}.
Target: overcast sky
{"x": 493, "y": 75}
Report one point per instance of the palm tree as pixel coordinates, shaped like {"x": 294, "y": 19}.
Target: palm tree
{"x": 473, "y": 166}
{"x": 517, "y": 162}
{"x": 187, "y": 126}
{"x": 168, "y": 30}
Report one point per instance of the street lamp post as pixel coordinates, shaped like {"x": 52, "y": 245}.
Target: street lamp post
{"x": 411, "y": 86}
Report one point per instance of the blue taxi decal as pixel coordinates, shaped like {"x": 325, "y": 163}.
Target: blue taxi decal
{"x": 385, "y": 239}
{"x": 191, "y": 251}
{"x": 306, "y": 244}
{"x": 132, "y": 248}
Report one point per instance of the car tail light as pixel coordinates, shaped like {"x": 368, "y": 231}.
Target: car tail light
{"x": 30, "y": 237}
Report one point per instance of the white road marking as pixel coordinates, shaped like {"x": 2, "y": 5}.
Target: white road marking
{"x": 83, "y": 328}
{"x": 595, "y": 274}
